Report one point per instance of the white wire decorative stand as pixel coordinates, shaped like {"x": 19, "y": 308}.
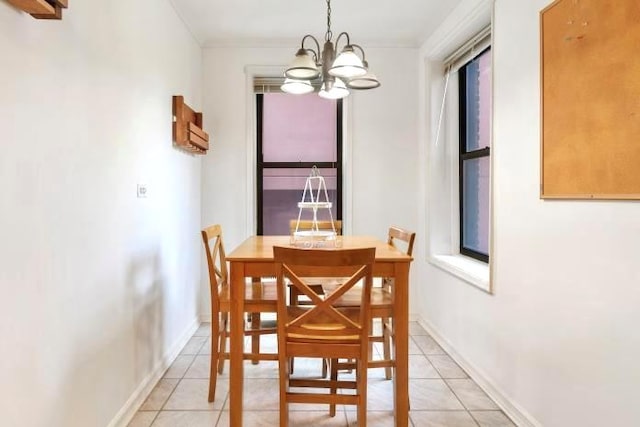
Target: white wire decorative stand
{"x": 315, "y": 197}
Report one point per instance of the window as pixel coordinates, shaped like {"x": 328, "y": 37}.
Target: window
{"x": 458, "y": 78}
{"x": 474, "y": 89}
{"x": 295, "y": 133}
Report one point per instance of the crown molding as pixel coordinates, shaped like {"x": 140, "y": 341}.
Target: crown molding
{"x": 466, "y": 20}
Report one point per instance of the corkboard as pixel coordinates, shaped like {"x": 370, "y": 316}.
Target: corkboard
{"x": 590, "y": 58}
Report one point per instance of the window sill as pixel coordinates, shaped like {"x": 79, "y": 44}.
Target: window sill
{"x": 468, "y": 269}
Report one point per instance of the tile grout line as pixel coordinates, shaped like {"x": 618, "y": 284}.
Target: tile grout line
{"x": 441, "y": 378}
{"x": 466, "y": 377}
{"x": 458, "y": 398}
{"x": 170, "y": 394}
{"x": 179, "y": 380}
{"x": 154, "y": 418}
{"x": 219, "y": 417}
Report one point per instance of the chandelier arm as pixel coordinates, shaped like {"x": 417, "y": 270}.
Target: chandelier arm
{"x": 344, "y": 33}
{"x": 361, "y": 51}
{"x": 316, "y": 53}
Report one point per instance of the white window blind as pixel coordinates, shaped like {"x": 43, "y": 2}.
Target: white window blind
{"x": 267, "y": 84}
{"x": 469, "y": 50}
{"x": 272, "y": 84}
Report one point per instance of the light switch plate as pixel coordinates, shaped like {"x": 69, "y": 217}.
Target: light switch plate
{"x": 142, "y": 191}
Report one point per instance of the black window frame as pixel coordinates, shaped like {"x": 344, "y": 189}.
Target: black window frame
{"x": 465, "y": 155}
{"x": 261, "y": 164}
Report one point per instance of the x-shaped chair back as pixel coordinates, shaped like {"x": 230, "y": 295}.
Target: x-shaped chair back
{"x": 216, "y": 260}
{"x": 322, "y": 319}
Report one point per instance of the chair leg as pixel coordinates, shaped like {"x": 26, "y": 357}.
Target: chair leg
{"x": 223, "y": 341}
{"x": 215, "y": 355}
{"x": 284, "y": 367}
{"x": 255, "y": 338}
{"x": 325, "y": 365}
{"x": 333, "y": 390}
{"x": 361, "y": 378}
{"x": 293, "y": 300}
{"x": 371, "y": 342}
{"x": 386, "y": 345}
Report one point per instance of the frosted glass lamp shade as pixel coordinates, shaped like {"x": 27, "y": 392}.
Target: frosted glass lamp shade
{"x": 303, "y": 67}
{"x": 296, "y": 87}
{"x": 367, "y": 81}
{"x": 338, "y": 90}
{"x": 347, "y": 65}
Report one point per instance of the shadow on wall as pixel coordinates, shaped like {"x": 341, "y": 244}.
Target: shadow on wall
{"x": 105, "y": 364}
{"x": 145, "y": 294}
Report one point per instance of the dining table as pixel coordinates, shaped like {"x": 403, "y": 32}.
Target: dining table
{"x": 253, "y": 258}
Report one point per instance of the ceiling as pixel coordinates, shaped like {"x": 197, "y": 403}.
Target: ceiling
{"x": 273, "y": 22}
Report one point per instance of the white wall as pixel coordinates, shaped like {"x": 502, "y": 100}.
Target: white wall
{"x": 557, "y": 339}
{"x": 96, "y": 285}
{"x": 381, "y": 171}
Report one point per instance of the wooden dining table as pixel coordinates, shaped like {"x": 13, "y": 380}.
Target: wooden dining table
{"x": 254, "y": 258}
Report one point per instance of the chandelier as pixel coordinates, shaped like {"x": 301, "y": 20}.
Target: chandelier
{"x": 336, "y": 75}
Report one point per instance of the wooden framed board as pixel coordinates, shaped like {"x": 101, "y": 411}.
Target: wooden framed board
{"x": 590, "y": 70}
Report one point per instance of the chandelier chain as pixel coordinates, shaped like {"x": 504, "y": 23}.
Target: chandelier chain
{"x": 329, "y": 34}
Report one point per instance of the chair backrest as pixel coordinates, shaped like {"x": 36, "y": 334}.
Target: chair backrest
{"x": 216, "y": 260}
{"x": 397, "y": 234}
{"x": 324, "y": 319}
{"x": 308, "y": 224}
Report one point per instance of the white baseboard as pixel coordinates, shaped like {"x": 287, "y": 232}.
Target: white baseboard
{"x": 513, "y": 410}
{"x": 137, "y": 398}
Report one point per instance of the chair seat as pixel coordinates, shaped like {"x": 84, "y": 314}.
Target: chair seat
{"x": 318, "y": 327}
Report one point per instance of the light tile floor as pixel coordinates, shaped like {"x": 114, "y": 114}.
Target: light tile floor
{"x": 441, "y": 393}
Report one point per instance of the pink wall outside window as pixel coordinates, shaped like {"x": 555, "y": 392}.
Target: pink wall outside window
{"x": 295, "y": 128}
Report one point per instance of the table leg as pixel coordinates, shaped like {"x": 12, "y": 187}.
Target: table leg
{"x": 236, "y": 374}
{"x": 401, "y": 334}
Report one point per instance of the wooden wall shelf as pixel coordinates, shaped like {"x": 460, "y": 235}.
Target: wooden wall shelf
{"x": 187, "y": 128}
{"x": 42, "y": 9}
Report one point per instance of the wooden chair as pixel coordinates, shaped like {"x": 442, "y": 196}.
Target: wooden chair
{"x": 259, "y": 298}
{"x": 323, "y": 330}
{"x": 403, "y": 240}
{"x": 381, "y": 306}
